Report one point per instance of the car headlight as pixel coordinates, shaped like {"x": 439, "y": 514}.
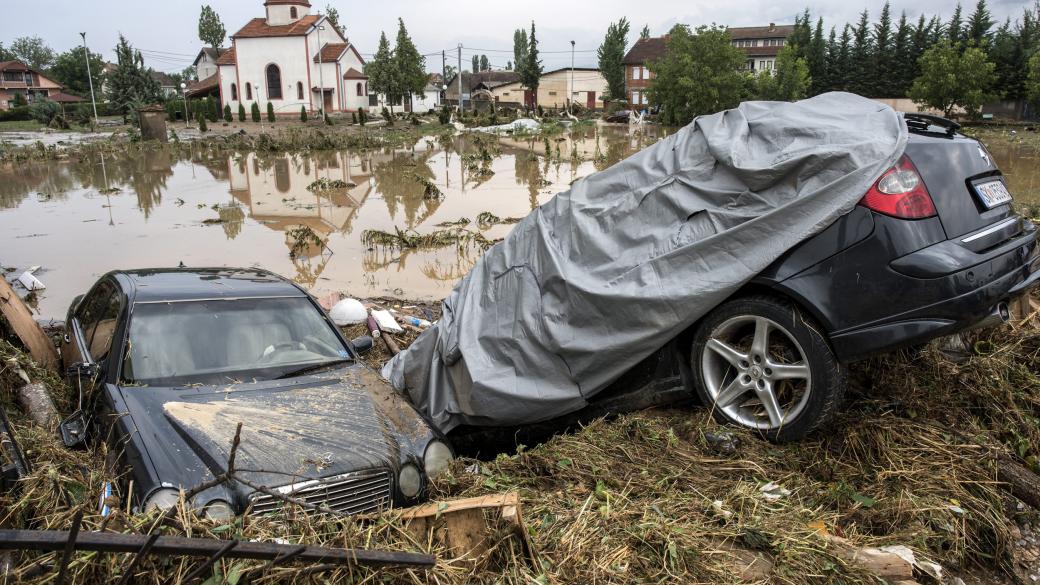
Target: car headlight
{"x": 409, "y": 481}
{"x": 162, "y": 499}
{"x": 437, "y": 459}
{"x": 218, "y": 510}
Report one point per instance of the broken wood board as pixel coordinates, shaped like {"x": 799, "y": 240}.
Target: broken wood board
{"x": 26, "y": 328}
{"x": 467, "y": 527}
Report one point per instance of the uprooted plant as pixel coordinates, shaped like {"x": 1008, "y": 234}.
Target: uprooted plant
{"x": 405, "y": 239}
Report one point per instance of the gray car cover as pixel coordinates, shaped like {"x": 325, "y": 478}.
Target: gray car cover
{"x": 604, "y": 274}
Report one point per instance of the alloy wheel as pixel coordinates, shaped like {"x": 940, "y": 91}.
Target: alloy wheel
{"x": 756, "y": 372}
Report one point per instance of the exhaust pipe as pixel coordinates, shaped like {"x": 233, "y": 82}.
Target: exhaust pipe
{"x": 1000, "y": 314}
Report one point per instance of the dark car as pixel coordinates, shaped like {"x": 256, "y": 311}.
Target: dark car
{"x": 932, "y": 249}
{"x": 171, "y": 360}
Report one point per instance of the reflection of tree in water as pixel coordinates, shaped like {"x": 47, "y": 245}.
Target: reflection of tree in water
{"x": 529, "y": 172}
{"x": 395, "y": 181}
{"x": 18, "y": 182}
{"x": 231, "y": 216}
{"x": 308, "y": 270}
{"x": 378, "y": 258}
{"x": 449, "y": 271}
{"x": 145, "y": 173}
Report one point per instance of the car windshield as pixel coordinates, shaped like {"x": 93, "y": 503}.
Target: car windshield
{"x": 214, "y": 341}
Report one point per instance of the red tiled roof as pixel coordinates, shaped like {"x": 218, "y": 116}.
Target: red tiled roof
{"x": 13, "y": 66}
{"x": 203, "y": 85}
{"x": 258, "y": 28}
{"x": 761, "y": 32}
{"x": 645, "y": 50}
{"x": 279, "y": 2}
{"x": 331, "y": 52}
{"x": 354, "y": 74}
{"x": 228, "y": 58}
{"x": 64, "y": 98}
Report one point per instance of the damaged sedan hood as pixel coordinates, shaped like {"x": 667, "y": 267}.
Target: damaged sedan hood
{"x": 606, "y": 273}
{"x": 308, "y": 427}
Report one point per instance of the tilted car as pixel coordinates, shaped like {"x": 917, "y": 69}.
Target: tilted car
{"x": 171, "y": 360}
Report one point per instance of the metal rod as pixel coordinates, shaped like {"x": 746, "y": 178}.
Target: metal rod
{"x": 137, "y": 558}
{"x": 86, "y": 54}
{"x": 69, "y": 546}
{"x": 208, "y": 563}
{"x": 109, "y": 542}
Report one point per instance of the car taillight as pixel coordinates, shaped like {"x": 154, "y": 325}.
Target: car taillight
{"x": 900, "y": 192}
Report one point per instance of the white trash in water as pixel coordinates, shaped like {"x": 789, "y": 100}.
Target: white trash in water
{"x": 29, "y": 281}
{"x": 348, "y": 312}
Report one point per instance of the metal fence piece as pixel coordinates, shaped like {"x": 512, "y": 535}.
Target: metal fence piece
{"x": 107, "y": 542}
{"x": 137, "y": 558}
{"x": 69, "y": 547}
{"x": 212, "y": 559}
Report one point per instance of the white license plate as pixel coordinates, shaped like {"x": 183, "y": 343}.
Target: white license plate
{"x": 993, "y": 193}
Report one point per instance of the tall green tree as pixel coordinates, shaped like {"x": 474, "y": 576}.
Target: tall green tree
{"x": 884, "y": 66}
{"x": 840, "y": 61}
{"x": 698, "y": 75}
{"x": 211, "y": 29}
{"x": 531, "y": 71}
{"x": 645, "y": 33}
{"x": 801, "y": 36}
{"x": 409, "y": 64}
{"x": 381, "y": 71}
{"x": 902, "y": 46}
{"x": 1032, "y": 84}
{"x": 1010, "y": 50}
{"x": 33, "y": 52}
{"x": 951, "y": 79}
{"x": 610, "y": 54}
{"x": 980, "y": 22}
{"x": 332, "y": 15}
{"x": 485, "y": 64}
{"x": 816, "y": 59}
{"x": 790, "y": 80}
{"x": 5, "y": 55}
{"x": 861, "y": 58}
{"x": 130, "y": 83}
{"x": 70, "y": 69}
{"x": 955, "y": 29}
{"x": 519, "y": 48}
{"x": 475, "y": 64}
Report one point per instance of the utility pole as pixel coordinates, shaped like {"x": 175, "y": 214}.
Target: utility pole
{"x": 184, "y": 94}
{"x": 570, "y": 98}
{"x": 460, "y": 81}
{"x": 86, "y": 55}
{"x": 321, "y": 76}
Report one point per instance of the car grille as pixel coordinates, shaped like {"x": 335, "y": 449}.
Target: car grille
{"x": 350, "y": 493}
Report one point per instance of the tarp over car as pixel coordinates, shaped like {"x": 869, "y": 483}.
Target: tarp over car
{"x": 604, "y": 274}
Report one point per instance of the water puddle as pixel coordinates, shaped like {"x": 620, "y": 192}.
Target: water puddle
{"x": 157, "y": 209}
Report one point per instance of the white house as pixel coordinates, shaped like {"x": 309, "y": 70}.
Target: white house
{"x": 292, "y": 59}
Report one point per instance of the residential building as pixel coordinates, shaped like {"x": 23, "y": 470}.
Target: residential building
{"x": 556, "y": 89}
{"x": 471, "y": 81}
{"x": 16, "y": 78}
{"x": 761, "y": 44}
{"x": 167, "y": 86}
{"x": 206, "y": 62}
{"x": 292, "y": 59}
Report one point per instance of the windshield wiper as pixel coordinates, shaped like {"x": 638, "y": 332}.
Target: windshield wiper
{"x": 311, "y": 368}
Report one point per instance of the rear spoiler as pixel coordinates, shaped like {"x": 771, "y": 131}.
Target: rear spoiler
{"x": 920, "y": 123}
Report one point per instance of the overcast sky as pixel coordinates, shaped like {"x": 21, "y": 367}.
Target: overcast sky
{"x": 167, "y": 31}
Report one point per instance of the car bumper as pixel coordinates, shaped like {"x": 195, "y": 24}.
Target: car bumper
{"x": 964, "y": 299}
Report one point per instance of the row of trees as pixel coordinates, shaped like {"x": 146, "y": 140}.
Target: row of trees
{"x": 398, "y": 72}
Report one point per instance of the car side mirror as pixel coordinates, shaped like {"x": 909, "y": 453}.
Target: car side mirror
{"x": 363, "y": 344}
{"x": 83, "y": 370}
{"x": 74, "y": 430}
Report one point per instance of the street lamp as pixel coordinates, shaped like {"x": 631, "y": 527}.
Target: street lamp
{"x": 86, "y": 56}
{"x": 571, "y": 100}
{"x": 184, "y": 94}
{"x": 256, "y": 90}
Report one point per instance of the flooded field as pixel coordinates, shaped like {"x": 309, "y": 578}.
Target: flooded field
{"x": 80, "y": 220}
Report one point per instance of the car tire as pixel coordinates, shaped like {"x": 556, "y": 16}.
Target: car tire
{"x": 784, "y": 387}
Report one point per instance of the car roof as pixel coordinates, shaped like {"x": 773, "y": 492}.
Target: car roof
{"x": 183, "y": 284}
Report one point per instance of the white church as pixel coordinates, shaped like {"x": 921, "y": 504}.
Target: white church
{"x": 292, "y": 59}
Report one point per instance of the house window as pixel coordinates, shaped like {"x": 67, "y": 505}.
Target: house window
{"x": 292, "y": 12}
{"x": 274, "y": 82}
{"x": 646, "y": 73}
{"x": 635, "y": 73}
{"x": 299, "y": 90}
{"x": 552, "y": 93}
{"x": 505, "y": 93}
{"x": 360, "y": 89}
{"x": 234, "y": 92}
{"x": 249, "y": 92}
{"x": 635, "y": 97}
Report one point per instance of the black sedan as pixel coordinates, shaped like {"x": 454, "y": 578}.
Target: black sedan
{"x": 171, "y": 360}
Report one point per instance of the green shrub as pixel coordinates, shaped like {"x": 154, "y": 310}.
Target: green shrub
{"x": 212, "y": 112}
{"x": 303, "y": 113}
{"x": 388, "y": 117}
{"x": 43, "y": 111}
{"x": 227, "y": 114}
{"x": 362, "y": 115}
{"x": 270, "y": 112}
{"x": 444, "y": 115}
{"x": 202, "y": 122}
{"x": 171, "y": 111}
{"x": 19, "y": 101}
{"x": 241, "y": 113}
{"x": 353, "y": 117}
{"x": 255, "y": 111}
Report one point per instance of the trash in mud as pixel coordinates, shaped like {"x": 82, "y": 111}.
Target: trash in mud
{"x": 348, "y": 312}
{"x": 29, "y": 280}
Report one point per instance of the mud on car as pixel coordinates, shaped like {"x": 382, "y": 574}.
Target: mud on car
{"x": 169, "y": 361}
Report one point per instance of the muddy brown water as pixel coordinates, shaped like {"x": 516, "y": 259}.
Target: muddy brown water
{"x": 80, "y": 220}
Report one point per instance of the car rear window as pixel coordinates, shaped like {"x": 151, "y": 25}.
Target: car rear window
{"x": 208, "y": 340}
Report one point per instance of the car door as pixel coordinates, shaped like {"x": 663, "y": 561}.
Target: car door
{"x": 91, "y": 327}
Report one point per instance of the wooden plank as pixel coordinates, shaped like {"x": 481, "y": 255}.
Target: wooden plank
{"x": 109, "y": 542}
{"x": 26, "y": 328}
